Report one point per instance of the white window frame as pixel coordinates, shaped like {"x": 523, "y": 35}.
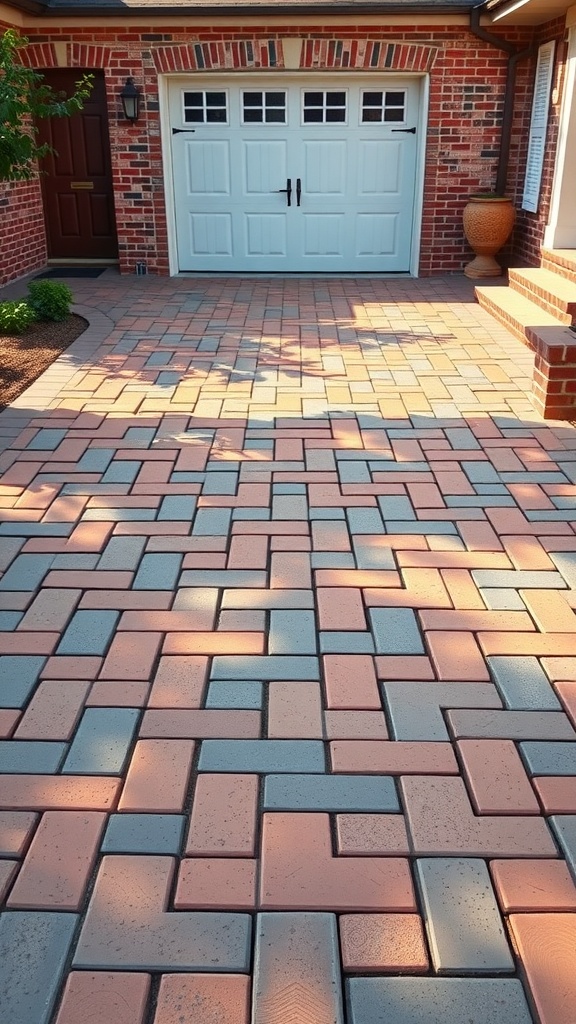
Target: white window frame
{"x": 263, "y": 92}
{"x": 538, "y": 127}
{"x": 324, "y": 108}
{"x": 205, "y": 107}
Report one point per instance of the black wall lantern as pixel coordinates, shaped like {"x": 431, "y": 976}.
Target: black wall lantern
{"x": 130, "y": 96}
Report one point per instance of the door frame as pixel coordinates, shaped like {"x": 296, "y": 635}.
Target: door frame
{"x": 560, "y": 232}
{"x": 74, "y": 75}
{"x": 293, "y": 77}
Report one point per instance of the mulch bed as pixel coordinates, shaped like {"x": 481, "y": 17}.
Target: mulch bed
{"x": 23, "y": 357}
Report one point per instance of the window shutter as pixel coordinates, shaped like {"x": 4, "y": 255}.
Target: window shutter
{"x": 538, "y": 126}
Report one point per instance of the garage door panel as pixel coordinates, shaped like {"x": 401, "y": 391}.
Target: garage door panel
{"x": 208, "y": 167}
{"x": 266, "y": 234}
{"x": 380, "y": 162}
{"x": 323, "y": 234}
{"x": 265, "y": 166}
{"x": 376, "y": 234}
{"x": 210, "y": 234}
{"x": 325, "y": 167}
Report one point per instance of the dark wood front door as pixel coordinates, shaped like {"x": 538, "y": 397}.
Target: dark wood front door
{"x": 77, "y": 177}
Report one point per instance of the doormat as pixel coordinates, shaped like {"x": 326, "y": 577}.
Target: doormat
{"x": 71, "y": 272}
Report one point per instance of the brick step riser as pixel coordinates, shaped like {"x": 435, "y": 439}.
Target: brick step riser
{"x": 559, "y": 265}
{"x": 565, "y": 312}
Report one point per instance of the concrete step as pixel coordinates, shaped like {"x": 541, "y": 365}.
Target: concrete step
{"x": 561, "y": 261}
{"x": 515, "y": 311}
{"x": 551, "y": 291}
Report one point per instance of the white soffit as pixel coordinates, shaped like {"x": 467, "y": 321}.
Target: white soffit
{"x": 530, "y": 12}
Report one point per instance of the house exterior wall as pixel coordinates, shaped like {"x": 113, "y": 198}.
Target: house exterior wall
{"x": 23, "y": 245}
{"x": 530, "y": 227}
{"x": 23, "y": 239}
{"x": 466, "y": 78}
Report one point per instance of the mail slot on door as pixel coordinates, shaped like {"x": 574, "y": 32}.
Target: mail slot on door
{"x": 82, "y": 184}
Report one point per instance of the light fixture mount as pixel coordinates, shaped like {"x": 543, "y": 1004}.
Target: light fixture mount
{"x": 130, "y": 96}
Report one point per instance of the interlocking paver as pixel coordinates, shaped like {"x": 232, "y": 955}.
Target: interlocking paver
{"x": 102, "y": 741}
{"x": 415, "y": 711}
{"x": 383, "y": 835}
{"x": 34, "y": 948}
{"x": 113, "y": 997}
{"x": 145, "y": 937}
{"x": 549, "y": 758}
{"x": 15, "y": 829}
{"x": 523, "y": 684}
{"x": 557, "y": 795}
{"x": 242, "y": 694}
{"x": 206, "y": 884}
{"x": 545, "y": 944}
{"x": 30, "y": 756}
{"x": 383, "y": 943}
{"x": 441, "y": 821}
{"x": 271, "y": 667}
{"x": 533, "y": 885}
{"x": 289, "y": 573}
{"x": 157, "y": 776}
{"x": 57, "y": 866}
{"x": 516, "y": 725}
{"x": 329, "y": 793}
{"x": 465, "y": 930}
{"x": 18, "y": 677}
{"x": 262, "y": 756}
{"x": 496, "y": 777}
{"x": 299, "y": 872}
{"x": 564, "y": 826}
{"x": 437, "y": 1001}
{"x": 295, "y": 969}
{"x": 294, "y": 710}
{"x": 202, "y": 999}
{"x": 89, "y": 632}
{"x": 144, "y": 833}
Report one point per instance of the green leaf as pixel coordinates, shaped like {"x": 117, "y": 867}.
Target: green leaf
{"x": 24, "y": 98}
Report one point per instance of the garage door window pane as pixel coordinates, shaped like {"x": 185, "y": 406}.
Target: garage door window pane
{"x": 264, "y": 107}
{"x": 383, "y": 106}
{"x": 324, "y": 107}
{"x": 205, "y": 107}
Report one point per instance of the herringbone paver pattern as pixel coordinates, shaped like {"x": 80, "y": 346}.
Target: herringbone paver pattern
{"x": 287, "y": 665}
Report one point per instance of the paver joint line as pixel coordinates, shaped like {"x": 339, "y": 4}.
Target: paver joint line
{"x": 287, "y": 664}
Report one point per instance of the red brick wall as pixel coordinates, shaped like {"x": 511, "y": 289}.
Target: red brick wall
{"x": 467, "y": 79}
{"x": 23, "y": 239}
{"x": 23, "y": 245}
{"x": 530, "y": 227}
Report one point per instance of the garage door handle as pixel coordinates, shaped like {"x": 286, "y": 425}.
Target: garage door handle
{"x": 287, "y": 190}
{"x": 298, "y": 191}
{"x": 407, "y": 131}
{"x": 181, "y": 131}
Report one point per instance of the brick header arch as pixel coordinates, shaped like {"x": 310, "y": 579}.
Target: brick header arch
{"x": 87, "y": 55}
{"x": 78, "y": 55}
{"x": 223, "y": 55}
{"x": 236, "y": 54}
{"x": 39, "y": 55}
{"x": 367, "y": 55}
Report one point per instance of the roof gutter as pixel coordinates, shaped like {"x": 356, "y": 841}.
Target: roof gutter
{"x": 514, "y": 57}
{"x": 45, "y": 7}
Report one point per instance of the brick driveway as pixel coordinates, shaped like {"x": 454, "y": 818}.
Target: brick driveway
{"x": 288, "y": 665}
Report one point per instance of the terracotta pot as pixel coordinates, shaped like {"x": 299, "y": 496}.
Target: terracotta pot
{"x": 488, "y": 223}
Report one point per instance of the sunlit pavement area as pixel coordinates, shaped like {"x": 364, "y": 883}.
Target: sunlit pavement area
{"x": 288, "y": 664}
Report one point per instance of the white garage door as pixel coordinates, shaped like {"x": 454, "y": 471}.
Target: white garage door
{"x": 278, "y": 176}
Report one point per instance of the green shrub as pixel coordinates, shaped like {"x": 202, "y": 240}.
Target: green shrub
{"x": 15, "y": 317}
{"x": 50, "y": 300}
